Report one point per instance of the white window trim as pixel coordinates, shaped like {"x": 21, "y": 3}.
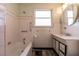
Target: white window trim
{"x": 70, "y": 17}
{"x": 43, "y": 26}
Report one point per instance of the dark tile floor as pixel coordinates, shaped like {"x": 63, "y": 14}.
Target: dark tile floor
{"x": 43, "y": 52}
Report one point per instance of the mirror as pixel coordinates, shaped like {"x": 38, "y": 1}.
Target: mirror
{"x": 70, "y": 15}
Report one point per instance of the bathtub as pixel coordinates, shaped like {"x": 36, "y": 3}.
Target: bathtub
{"x": 27, "y": 51}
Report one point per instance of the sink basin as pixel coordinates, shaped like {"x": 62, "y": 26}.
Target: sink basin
{"x": 67, "y": 34}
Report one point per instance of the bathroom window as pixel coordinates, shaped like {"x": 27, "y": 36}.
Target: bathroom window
{"x": 70, "y": 17}
{"x": 42, "y": 18}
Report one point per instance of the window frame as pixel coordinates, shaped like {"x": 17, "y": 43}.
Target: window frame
{"x": 40, "y": 17}
{"x": 68, "y": 20}
{"x": 70, "y": 17}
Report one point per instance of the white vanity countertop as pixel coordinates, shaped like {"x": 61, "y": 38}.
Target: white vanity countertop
{"x": 65, "y": 37}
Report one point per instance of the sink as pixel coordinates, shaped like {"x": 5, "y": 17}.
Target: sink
{"x": 67, "y": 34}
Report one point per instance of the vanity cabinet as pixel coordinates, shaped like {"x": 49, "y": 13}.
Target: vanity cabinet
{"x": 59, "y": 47}
{"x": 65, "y": 45}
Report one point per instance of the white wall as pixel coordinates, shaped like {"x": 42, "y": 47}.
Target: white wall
{"x": 43, "y": 39}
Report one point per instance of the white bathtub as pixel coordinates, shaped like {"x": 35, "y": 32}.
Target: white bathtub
{"x": 27, "y": 51}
